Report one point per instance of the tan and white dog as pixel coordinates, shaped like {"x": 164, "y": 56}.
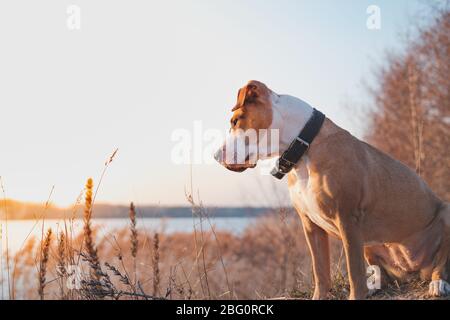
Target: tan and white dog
{"x": 382, "y": 211}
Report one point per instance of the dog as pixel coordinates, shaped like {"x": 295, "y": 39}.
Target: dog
{"x": 380, "y": 209}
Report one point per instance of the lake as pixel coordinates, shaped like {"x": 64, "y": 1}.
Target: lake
{"x": 20, "y": 230}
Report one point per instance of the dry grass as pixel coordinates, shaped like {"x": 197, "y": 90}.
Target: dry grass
{"x": 44, "y": 256}
{"x": 269, "y": 259}
{"x": 88, "y": 237}
{"x": 155, "y": 265}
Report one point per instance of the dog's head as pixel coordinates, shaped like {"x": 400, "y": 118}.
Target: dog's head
{"x": 248, "y": 137}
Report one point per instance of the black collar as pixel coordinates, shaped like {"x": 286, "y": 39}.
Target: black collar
{"x": 299, "y": 146}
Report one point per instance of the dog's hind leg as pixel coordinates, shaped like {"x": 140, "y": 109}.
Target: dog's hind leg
{"x": 439, "y": 285}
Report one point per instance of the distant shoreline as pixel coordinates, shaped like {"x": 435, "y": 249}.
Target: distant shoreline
{"x": 17, "y": 210}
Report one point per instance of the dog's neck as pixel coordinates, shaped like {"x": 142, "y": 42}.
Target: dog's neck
{"x": 290, "y": 115}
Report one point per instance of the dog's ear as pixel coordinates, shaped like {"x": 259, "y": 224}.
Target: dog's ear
{"x": 246, "y": 95}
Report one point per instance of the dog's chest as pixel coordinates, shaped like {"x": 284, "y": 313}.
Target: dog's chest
{"x": 304, "y": 198}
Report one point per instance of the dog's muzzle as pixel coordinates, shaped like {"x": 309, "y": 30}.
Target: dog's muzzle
{"x": 218, "y": 156}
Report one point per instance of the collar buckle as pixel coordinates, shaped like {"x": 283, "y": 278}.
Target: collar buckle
{"x": 306, "y": 144}
{"x": 288, "y": 161}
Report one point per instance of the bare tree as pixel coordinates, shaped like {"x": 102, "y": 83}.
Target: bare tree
{"x": 411, "y": 118}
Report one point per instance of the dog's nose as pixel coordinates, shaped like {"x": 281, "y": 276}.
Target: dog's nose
{"x": 218, "y": 155}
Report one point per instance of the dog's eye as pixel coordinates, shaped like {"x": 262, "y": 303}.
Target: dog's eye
{"x": 234, "y": 121}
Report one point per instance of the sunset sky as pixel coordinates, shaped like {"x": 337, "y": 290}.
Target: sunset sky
{"x": 138, "y": 70}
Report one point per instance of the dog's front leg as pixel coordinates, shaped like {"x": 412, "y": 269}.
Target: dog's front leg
{"x": 317, "y": 240}
{"x": 354, "y": 252}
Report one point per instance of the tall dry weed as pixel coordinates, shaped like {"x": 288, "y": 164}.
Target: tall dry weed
{"x": 44, "y": 256}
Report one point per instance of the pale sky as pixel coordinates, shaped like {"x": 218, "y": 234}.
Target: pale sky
{"x": 138, "y": 70}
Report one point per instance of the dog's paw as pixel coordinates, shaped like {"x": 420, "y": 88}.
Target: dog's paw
{"x": 439, "y": 288}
